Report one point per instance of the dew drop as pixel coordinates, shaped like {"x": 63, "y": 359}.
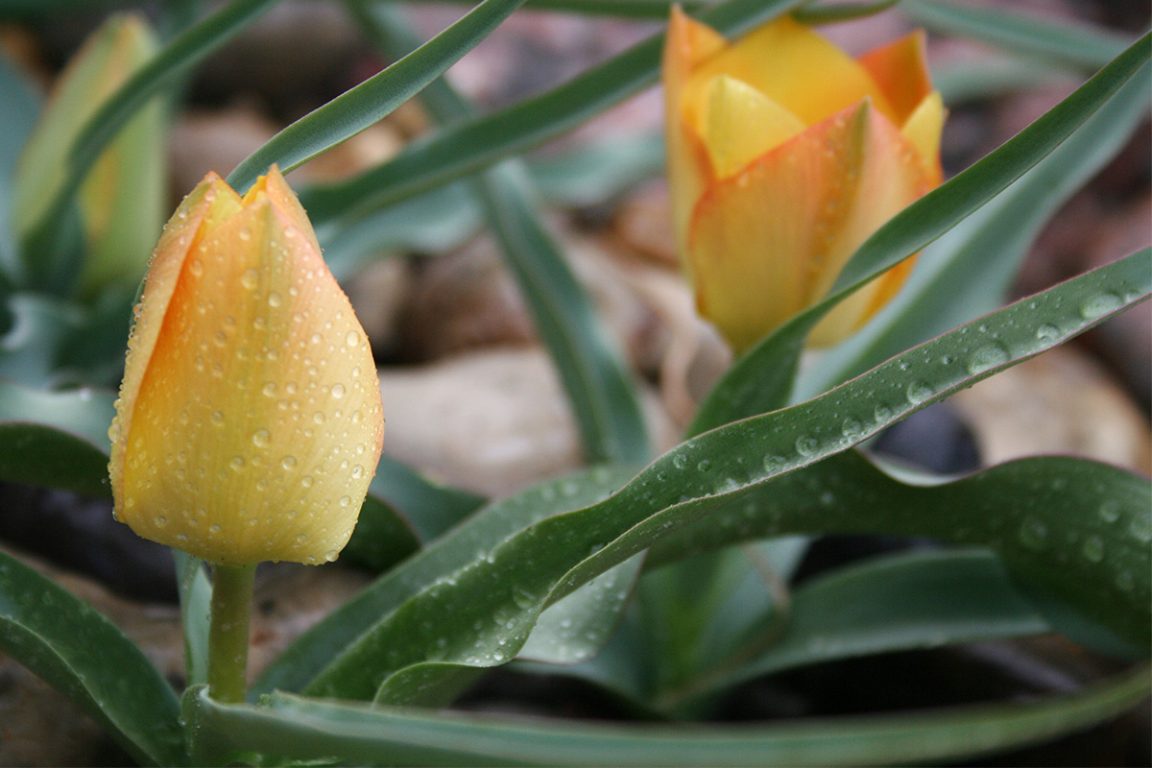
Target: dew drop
{"x": 237, "y": 463}
{"x": 245, "y": 234}
{"x": 352, "y": 339}
{"x": 217, "y": 418}
{"x": 987, "y": 357}
{"x": 807, "y": 445}
{"x": 345, "y": 501}
{"x": 1109, "y": 511}
{"x": 918, "y": 392}
{"x": 196, "y": 268}
{"x": 1141, "y": 529}
{"x": 319, "y": 417}
{"x": 1047, "y": 333}
{"x": 1100, "y": 304}
{"x": 338, "y": 391}
{"x": 214, "y": 529}
{"x": 288, "y": 462}
{"x": 250, "y": 279}
{"x": 773, "y": 462}
{"x": 704, "y": 466}
{"x": 269, "y": 389}
{"x": 679, "y": 461}
{"x": 274, "y": 299}
{"x": 307, "y": 481}
{"x": 851, "y": 427}
{"x": 160, "y": 521}
{"x": 357, "y": 472}
{"x": 261, "y": 438}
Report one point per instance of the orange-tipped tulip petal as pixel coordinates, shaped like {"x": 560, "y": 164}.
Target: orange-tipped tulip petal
{"x": 249, "y": 421}
{"x": 784, "y": 155}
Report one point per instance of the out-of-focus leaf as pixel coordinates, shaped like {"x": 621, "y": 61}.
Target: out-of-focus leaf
{"x": 195, "y": 606}
{"x": 763, "y": 378}
{"x": 302, "y": 729}
{"x": 177, "y": 57}
{"x": 31, "y": 347}
{"x": 472, "y": 540}
{"x": 600, "y": 390}
{"x": 81, "y": 654}
{"x": 372, "y": 100}
{"x": 471, "y": 145}
{"x": 22, "y": 105}
{"x": 1079, "y": 45}
{"x": 430, "y": 507}
{"x": 422, "y": 649}
{"x": 55, "y": 439}
{"x": 900, "y": 602}
{"x": 969, "y": 270}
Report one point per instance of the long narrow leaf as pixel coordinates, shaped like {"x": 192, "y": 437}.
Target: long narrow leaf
{"x": 969, "y": 271}
{"x": 80, "y": 653}
{"x": 372, "y": 100}
{"x": 729, "y": 471}
{"x": 300, "y": 728}
{"x": 1079, "y": 45}
{"x": 763, "y": 379}
{"x": 467, "y": 147}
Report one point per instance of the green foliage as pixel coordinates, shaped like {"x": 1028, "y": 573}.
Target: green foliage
{"x": 589, "y": 570}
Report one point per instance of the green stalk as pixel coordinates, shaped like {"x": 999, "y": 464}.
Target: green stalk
{"x": 228, "y": 635}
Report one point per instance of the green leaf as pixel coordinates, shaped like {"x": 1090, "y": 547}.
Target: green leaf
{"x": 195, "y": 607}
{"x": 381, "y": 538}
{"x": 300, "y": 728}
{"x": 430, "y": 507}
{"x": 763, "y": 378}
{"x": 901, "y": 602}
{"x": 372, "y": 100}
{"x": 831, "y": 13}
{"x": 470, "y": 541}
{"x": 484, "y": 611}
{"x": 40, "y": 327}
{"x": 177, "y": 57}
{"x": 1079, "y": 45}
{"x": 600, "y": 390}
{"x": 55, "y": 439}
{"x": 468, "y": 146}
{"x": 22, "y": 105}
{"x": 80, "y": 653}
{"x": 969, "y": 270}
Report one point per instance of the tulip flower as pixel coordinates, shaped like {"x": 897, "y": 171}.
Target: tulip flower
{"x": 784, "y": 155}
{"x": 249, "y": 421}
{"x": 120, "y": 202}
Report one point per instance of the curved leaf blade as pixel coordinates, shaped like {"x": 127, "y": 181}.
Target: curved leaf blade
{"x": 474, "y": 144}
{"x": 494, "y": 601}
{"x": 763, "y": 378}
{"x": 301, "y": 728}
{"x": 372, "y": 100}
{"x": 54, "y": 634}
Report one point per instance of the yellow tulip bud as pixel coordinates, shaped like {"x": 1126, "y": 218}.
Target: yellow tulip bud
{"x": 784, "y": 156}
{"x": 249, "y": 421}
{"x": 121, "y": 199}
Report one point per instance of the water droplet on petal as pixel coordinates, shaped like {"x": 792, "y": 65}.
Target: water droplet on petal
{"x": 261, "y": 438}
{"x": 250, "y": 279}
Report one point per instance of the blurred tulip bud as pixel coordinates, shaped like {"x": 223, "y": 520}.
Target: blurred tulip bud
{"x": 121, "y": 202}
{"x": 249, "y": 422}
{"x": 784, "y": 155}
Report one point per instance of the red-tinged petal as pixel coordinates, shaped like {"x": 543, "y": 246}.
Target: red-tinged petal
{"x": 257, "y": 426}
{"x": 212, "y": 199}
{"x": 886, "y": 175}
{"x": 900, "y": 69}
{"x": 771, "y": 240}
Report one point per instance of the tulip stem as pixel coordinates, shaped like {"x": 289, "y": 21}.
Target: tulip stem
{"x": 228, "y": 634}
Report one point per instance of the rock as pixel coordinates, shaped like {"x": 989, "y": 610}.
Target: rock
{"x": 203, "y": 141}
{"x": 1061, "y": 402}
{"x": 490, "y": 421}
{"x": 377, "y": 294}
